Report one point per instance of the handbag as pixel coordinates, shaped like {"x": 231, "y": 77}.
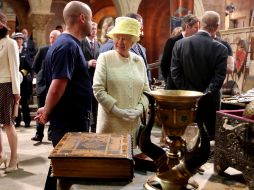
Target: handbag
{"x": 230, "y": 88}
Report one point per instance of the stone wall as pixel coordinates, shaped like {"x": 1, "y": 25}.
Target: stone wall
{"x": 218, "y": 6}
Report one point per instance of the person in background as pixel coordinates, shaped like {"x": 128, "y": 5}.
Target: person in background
{"x": 230, "y": 60}
{"x": 41, "y": 92}
{"x": 176, "y": 31}
{"x": 119, "y": 82}
{"x": 90, "y": 47}
{"x": 109, "y": 44}
{"x": 137, "y": 47}
{"x": 69, "y": 97}
{"x": 190, "y": 25}
{"x": 26, "y": 70}
{"x": 9, "y": 93}
{"x": 60, "y": 28}
{"x": 29, "y": 43}
{"x": 199, "y": 63}
{"x": 108, "y": 23}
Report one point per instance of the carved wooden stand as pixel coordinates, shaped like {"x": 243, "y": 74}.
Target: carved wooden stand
{"x": 234, "y": 144}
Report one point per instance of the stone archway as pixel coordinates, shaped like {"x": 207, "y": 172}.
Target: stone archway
{"x": 123, "y": 7}
{"x": 106, "y": 11}
{"x": 20, "y": 10}
{"x": 99, "y": 17}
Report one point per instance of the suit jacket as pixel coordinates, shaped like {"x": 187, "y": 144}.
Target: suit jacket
{"x": 90, "y": 54}
{"x": 140, "y": 50}
{"x": 199, "y": 63}
{"x": 38, "y": 69}
{"x": 225, "y": 43}
{"x": 25, "y": 64}
{"x": 166, "y": 61}
{"x": 109, "y": 45}
{"x": 30, "y": 45}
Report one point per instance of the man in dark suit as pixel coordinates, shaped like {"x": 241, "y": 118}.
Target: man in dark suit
{"x": 230, "y": 61}
{"x": 199, "y": 63}
{"x": 190, "y": 25}
{"x": 29, "y": 43}
{"x": 40, "y": 83}
{"x": 90, "y": 47}
{"x": 137, "y": 47}
{"x": 140, "y": 50}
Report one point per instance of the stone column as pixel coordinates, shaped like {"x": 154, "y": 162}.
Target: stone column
{"x": 198, "y": 8}
{"x": 39, "y": 17}
{"x": 39, "y": 23}
{"x": 123, "y": 7}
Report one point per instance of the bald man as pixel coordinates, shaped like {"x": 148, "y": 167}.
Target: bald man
{"x": 68, "y": 101}
{"x": 40, "y": 82}
{"x": 199, "y": 63}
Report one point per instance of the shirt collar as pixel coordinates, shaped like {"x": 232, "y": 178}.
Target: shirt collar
{"x": 200, "y": 30}
{"x": 89, "y": 41}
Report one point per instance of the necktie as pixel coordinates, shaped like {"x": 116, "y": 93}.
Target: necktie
{"x": 92, "y": 45}
{"x": 92, "y": 48}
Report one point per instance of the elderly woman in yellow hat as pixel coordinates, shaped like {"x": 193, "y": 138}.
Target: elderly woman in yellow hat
{"x": 119, "y": 81}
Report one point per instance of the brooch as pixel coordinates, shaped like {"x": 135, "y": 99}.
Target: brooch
{"x": 135, "y": 59}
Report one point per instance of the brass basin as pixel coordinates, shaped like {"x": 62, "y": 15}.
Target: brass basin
{"x": 176, "y": 109}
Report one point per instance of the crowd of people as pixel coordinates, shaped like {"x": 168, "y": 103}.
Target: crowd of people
{"x": 86, "y": 86}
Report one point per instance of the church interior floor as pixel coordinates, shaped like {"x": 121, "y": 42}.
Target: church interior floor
{"x": 34, "y": 163}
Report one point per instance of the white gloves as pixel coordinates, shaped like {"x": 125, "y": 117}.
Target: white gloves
{"x": 134, "y": 113}
{"x": 126, "y": 114}
{"x": 121, "y": 113}
{"x": 20, "y": 77}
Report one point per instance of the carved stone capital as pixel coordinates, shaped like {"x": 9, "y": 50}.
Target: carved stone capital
{"x": 40, "y": 21}
{"x": 123, "y": 7}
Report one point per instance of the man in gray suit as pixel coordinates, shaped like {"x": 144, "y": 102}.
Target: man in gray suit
{"x": 199, "y": 63}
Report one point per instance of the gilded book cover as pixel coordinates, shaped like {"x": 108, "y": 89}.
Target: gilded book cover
{"x": 92, "y": 155}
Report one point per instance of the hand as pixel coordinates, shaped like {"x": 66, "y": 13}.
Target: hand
{"x": 41, "y": 116}
{"x": 92, "y": 63}
{"x": 16, "y": 98}
{"x": 134, "y": 113}
{"x": 207, "y": 93}
{"x": 121, "y": 113}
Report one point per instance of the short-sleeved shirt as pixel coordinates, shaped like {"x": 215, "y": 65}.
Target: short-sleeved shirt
{"x": 66, "y": 60}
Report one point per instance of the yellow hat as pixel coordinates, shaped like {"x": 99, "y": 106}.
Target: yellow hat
{"x": 126, "y": 25}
